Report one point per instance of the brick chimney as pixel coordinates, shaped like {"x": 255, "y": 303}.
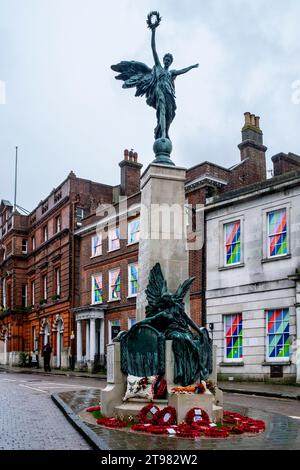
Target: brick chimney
{"x": 284, "y": 163}
{"x": 130, "y": 173}
{"x": 253, "y": 150}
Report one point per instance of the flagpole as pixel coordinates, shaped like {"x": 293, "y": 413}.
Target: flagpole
{"x": 16, "y": 179}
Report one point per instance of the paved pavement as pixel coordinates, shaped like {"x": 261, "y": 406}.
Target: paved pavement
{"x": 262, "y": 389}
{"x": 30, "y": 420}
{"x": 280, "y": 415}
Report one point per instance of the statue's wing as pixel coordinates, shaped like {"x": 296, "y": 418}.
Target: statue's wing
{"x": 183, "y": 289}
{"x": 134, "y": 74}
{"x": 157, "y": 286}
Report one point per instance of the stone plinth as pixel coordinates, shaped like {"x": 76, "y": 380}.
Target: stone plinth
{"x": 162, "y": 229}
{"x": 183, "y": 402}
{"x": 114, "y": 392}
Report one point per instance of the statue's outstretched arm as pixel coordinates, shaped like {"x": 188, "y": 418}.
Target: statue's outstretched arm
{"x": 187, "y": 69}
{"x": 153, "y": 46}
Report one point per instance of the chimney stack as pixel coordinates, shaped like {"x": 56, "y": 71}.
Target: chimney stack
{"x": 130, "y": 173}
{"x": 253, "y": 149}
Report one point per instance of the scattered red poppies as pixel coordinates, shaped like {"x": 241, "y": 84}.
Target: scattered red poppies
{"x": 155, "y": 421}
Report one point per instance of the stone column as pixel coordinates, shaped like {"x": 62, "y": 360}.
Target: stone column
{"x": 101, "y": 338}
{"x": 162, "y": 238}
{"x": 79, "y": 341}
{"x": 87, "y": 340}
{"x": 92, "y": 338}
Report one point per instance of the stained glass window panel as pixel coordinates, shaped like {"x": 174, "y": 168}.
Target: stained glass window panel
{"x": 133, "y": 279}
{"x": 277, "y": 229}
{"x": 278, "y": 327}
{"x": 134, "y": 231}
{"x": 97, "y": 288}
{"x": 234, "y": 336}
{"x": 232, "y": 235}
{"x": 114, "y": 239}
{"x": 114, "y": 284}
{"x": 97, "y": 245}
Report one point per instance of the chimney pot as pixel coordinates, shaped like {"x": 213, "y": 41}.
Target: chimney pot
{"x": 125, "y": 154}
{"x": 257, "y": 118}
{"x": 247, "y": 119}
{"x": 252, "y": 119}
{"x": 131, "y": 155}
{"x": 135, "y": 156}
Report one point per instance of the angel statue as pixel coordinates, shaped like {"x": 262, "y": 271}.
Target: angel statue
{"x": 157, "y": 84}
{"x": 165, "y": 312}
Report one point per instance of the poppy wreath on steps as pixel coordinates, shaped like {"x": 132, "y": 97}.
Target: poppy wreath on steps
{"x": 140, "y": 427}
{"x": 166, "y": 417}
{"x": 93, "y": 408}
{"x": 185, "y": 430}
{"x": 112, "y": 423}
{"x": 216, "y": 433}
{"x": 148, "y": 413}
{"x": 196, "y": 415}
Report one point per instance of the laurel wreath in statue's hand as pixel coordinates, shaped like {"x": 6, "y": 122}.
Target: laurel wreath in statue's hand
{"x": 153, "y": 24}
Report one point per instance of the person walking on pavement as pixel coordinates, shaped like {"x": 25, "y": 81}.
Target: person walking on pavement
{"x": 47, "y": 350}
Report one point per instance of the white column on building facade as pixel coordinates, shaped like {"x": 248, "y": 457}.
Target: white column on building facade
{"x": 101, "y": 338}
{"x": 87, "y": 340}
{"x": 92, "y": 338}
{"x": 79, "y": 341}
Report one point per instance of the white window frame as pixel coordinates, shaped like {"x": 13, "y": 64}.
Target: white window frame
{"x": 269, "y": 236}
{"x": 4, "y": 292}
{"x": 110, "y": 287}
{"x": 25, "y": 251}
{"x": 265, "y": 231}
{"x": 280, "y": 360}
{"x": 226, "y": 265}
{"x": 58, "y": 224}
{"x": 33, "y": 292}
{"x": 129, "y": 322}
{"x": 26, "y": 295}
{"x": 45, "y": 233}
{"x": 58, "y": 281}
{"x": 110, "y": 324}
{"x": 129, "y": 231}
{"x": 100, "y": 244}
{"x": 130, "y": 294}
{"x": 225, "y": 358}
{"x": 235, "y": 217}
{"x": 93, "y": 302}
{"x": 110, "y": 239}
{"x": 45, "y": 287}
{"x": 33, "y": 244}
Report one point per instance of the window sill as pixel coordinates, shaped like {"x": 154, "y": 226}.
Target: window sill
{"x": 95, "y": 256}
{"x": 231, "y": 364}
{"x": 115, "y": 249}
{"x": 233, "y": 266}
{"x": 276, "y": 258}
{"x": 133, "y": 296}
{"x": 113, "y": 300}
{"x": 132, "y": 243}
{"x": 274, "y": 363}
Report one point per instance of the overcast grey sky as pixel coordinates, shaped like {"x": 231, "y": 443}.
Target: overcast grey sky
{"x": 65, "y": 110}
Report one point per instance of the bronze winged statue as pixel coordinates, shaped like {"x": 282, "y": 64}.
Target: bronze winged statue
{"x": 157, "y": 84}
{"x": 165, "y": 312}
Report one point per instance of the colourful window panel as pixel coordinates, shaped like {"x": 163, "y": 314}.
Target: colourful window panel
{"x": 277, "y": 229}
{"x": 134, "y": 231}
{"x": 234, "y": 336}
{"x": 114, "y": 238}
{"x": 278, "y": 333}
{"x": 115, "y": 284}
{"x": 97, "y": 245}
{"x": 97, "y": 288}
{"x": 133, "y": 279}
{"x": 232, "y": 243}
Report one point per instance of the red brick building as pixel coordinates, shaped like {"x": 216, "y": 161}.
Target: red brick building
{"x": 37, "y": 269}
{"x": 85, "y": 266}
